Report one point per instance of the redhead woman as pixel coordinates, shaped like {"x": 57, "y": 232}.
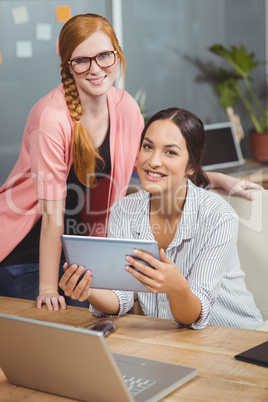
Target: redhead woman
{"x": 79, "y": 148}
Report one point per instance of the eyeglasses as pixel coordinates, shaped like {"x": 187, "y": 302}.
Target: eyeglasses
{"x": 83, "y": 64}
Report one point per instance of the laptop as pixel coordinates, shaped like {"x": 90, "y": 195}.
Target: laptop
{"x": 106, "y": 258}
{"x": 223, "y": 152}
{"x": 77, "y": 363}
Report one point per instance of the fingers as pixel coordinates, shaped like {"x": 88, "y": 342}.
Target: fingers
{"x": 163, "y": 256}
{"x": 250, "y": 185}
{"x": 155, "y": 267}
{"x": 65, "y": 266}
{"x": 81, "y": 290}
{"x": 154, "y": 262}
{"x": 158, "y": 279}
{"x": 74, "y": 285}
{"x": 62, "y": 303}
{"x": 67, "y": 274}
{"x": 145, "y": 280}
{"x": 146, "y": 275}
{"x": 143, "y": 255}
{"x": 39, "y": 303}
{"x": 53, "y": 301}
{"x": 49, "y": 304}
{"x": 245, "y": 194}
{"x": 139, "y": 265}
{"x": 55, "y": 304}
{"x": 241, "y": 189}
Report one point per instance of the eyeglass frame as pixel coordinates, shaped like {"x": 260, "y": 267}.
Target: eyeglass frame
{"x": 93, "y": 58}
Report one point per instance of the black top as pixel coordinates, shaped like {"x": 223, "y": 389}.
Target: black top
{"x": 80, "y": 198}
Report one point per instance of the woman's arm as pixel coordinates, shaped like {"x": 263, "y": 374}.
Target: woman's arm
{"x": 184, "y": 305}
{"x": 166, "y": 278}
{"x": 49, "y": 254}
{"x": 232, "y": 185}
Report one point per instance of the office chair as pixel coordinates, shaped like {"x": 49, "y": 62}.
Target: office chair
{"x": 253, "y": 245}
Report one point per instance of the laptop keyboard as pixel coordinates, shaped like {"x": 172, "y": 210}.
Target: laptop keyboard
{"x": 136, "y": 385}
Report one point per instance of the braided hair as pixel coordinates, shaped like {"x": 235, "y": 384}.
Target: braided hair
{"x": 74, "y": 32}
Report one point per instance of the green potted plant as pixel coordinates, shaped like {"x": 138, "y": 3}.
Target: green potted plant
{"x": 236, "y": 83}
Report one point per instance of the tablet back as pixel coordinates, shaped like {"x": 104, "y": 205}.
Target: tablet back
{"x": 106, "y": 259}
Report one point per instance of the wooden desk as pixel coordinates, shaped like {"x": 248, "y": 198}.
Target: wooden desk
{"x": 210, "y": 350}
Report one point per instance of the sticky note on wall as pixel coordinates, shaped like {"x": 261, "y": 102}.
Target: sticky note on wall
{"x": 63, "y": 13}
{"x": 24, "y": 49}
{"x": 43, "y": 31}
{"x": 20, "y": 15}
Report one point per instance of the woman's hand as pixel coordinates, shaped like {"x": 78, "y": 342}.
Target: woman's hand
{"x": 70, "y": 284}
{"x": 233, "y": 185}
{"x": 241, "y": 187}
{"x": 164, "y": 277}
{"x": 52, "y": 299}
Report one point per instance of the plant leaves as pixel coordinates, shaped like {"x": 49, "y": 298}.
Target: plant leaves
{"x": 238, "y": 57}
{"x": 228, "y": 91}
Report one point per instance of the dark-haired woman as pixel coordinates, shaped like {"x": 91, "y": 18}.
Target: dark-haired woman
{"x": 198, "y": 280}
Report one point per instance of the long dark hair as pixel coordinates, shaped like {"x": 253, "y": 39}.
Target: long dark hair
{"x": 192, "y": 130}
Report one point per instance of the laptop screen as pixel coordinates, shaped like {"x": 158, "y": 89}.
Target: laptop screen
{"x": 222, "y": 148}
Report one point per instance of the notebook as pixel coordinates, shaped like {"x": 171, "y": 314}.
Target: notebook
{"x": 77, "y": 363}
{"x": 223, "y": 152}
{"x": 256, "y": 355}
{"x": 106, "y": 258}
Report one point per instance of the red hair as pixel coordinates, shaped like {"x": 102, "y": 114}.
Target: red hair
{"x": 74, "y": 32}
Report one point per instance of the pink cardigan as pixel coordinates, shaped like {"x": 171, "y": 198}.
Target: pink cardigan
{"x": 46, "y": 158}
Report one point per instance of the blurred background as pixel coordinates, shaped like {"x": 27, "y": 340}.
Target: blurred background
{"x": 165, "y": 42}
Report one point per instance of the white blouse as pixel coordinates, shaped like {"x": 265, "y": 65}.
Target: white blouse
{"x": 204, "y": 250}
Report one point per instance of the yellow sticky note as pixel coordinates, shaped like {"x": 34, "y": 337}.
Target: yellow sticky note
{"x": 63, "y": 13}
{"x": 0, "y": 57}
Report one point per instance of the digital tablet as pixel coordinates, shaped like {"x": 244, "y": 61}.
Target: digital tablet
{"x": 106, "y": 259}
{"x": 256, "y": 355}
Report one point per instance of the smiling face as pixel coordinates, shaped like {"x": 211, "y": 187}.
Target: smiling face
{"x": 97, "y": 81}
{"x": 163, "y": 160}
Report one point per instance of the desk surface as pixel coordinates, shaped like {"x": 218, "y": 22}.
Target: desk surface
{"x": 210, "y": 350}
